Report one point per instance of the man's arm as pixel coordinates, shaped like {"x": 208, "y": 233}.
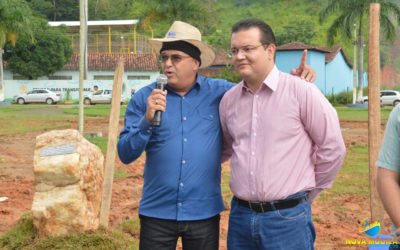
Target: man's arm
{"x": 226, "y": 137}
{"x": 389, "y": 192}
{"x": 304, "y": 71}
{"x": 322, "y": 124}
{"x": 138, "y": 117}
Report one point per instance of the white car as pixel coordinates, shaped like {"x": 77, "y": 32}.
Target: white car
{"x": 38, "y": 95}
{"x": 101, "y": 96}
{"x": 388, "y": 97}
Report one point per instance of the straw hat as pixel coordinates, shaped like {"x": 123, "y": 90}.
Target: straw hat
{"x": 180, "y": 31}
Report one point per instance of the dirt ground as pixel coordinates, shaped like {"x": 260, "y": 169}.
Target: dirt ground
{"x": 16, "y": 183}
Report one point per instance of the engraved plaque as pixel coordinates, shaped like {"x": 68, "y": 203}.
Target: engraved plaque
{"x": 58, "y": 150}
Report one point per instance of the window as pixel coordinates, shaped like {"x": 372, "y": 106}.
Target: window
{"x": 60, "y": 77}
{"x": 142, "y": 77}
{"x": 103, "y": 77}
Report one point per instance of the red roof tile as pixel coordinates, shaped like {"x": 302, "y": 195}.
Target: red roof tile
{"x": 300, "y": 46}
{"x": 138, "y": 62}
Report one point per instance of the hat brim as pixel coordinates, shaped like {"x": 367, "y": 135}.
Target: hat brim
{"x": 207, "y": 55}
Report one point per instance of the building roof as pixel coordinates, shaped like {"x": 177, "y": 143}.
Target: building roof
{"x": 98, "y": 25}
{"x": 301, "y": 46}
{"x": 332, "y": 54}
{"x": 138, "y": 62}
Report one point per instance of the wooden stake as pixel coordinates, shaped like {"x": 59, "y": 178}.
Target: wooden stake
{"x": 374, "y": 112}
{"x": 113, "y": 130}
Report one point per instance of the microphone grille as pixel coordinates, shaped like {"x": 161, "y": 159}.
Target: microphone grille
{"x": 162, "y": 79}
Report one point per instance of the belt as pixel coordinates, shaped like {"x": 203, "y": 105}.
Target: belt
{"x": 262, "y": 207}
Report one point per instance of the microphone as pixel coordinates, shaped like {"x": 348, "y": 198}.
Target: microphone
{"x": 161, "y": 83}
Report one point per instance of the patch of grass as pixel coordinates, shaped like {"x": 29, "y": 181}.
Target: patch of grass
{"x": 23, "y": 237}
{"x": 101, "y": 142}
{"x": 353, "y": 177}
{"x": 132, "y": 227}
{"x": 15, "y": 119}
{"x": 19, "y": 236}
{"x": 96, "y": 110}
{"x": 360, "y": 114}
{"x": 121, "y": 173}
{"x": 226, "y": 191}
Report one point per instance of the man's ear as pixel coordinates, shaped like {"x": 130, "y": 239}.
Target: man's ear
{"x": 196, "y": 64}
{"x": 271, "y": 49}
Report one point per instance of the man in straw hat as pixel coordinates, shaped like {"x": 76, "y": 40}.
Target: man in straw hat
{"x": 285, "y": 144}
{"x": 181, "y": 193}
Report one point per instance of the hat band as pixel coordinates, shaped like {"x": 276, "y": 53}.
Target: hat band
{"x": 183, "y": 46}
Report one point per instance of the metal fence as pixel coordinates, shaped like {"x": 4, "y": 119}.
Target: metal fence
{"x": 116, "y": 43}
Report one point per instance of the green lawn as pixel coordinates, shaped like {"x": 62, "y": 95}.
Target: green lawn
{"x": 95, "y": 110}
{"x": 360, "y": 114}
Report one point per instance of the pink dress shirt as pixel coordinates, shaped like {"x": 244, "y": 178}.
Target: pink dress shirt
{"x": 283, "y": 139}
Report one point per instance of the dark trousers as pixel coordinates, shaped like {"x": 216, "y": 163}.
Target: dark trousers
{"x": 163, "y": 234}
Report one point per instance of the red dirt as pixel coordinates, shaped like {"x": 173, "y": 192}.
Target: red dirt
{"x": 16, "y": 183}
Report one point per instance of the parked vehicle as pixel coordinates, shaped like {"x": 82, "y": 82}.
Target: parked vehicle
{"x": 101, "y": 96}
{"x": 388, "y": 97}
{"x": 38, "y": 95}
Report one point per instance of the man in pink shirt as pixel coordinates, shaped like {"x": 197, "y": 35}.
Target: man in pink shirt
{"x": 284, "y": 141}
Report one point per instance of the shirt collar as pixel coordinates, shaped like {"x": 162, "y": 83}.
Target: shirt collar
{"x": 270, "y": 81}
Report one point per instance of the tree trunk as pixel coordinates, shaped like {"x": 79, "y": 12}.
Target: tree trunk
{"x": 360, "y": 60}
{"x": 1, "y": 76}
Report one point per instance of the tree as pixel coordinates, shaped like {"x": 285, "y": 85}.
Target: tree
{"x": 302, "y": 31}
{"x": 15, "y": 18}
{"x": 356, "y": 12}
{"x": 57, "y": 10}
{"x": 49, "y": 53}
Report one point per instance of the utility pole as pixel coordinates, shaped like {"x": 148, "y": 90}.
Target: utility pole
{"x": 354, "y": 65}
{"x": 374, "y": 112}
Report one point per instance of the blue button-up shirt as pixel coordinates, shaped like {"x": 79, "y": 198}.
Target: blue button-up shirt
{"x": 182, "y": 174}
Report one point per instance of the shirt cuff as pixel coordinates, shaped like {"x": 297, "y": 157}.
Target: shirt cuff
{"x": 314, "y": 193}
{"x": 144, "y": 125}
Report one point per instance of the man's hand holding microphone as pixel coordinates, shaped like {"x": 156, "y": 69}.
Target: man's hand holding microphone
{"x": 157, "y": 101}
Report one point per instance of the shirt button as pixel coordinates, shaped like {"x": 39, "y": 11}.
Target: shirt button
{"x": 252, "y": 153}
{"x": 179, "y": 204}
{"x": 181, "y": 184}
{"x": 184, "y": 139}
{"x": 183, "y": 97}
{"x": 184, "y": 118}
{"x": 252, "y": 192}
{"x": 150, "y": 128}
{"x": 183, "y": 161}
{"x": 255, "y": 115}
{"x": 251, "y": 173}
{"x": 148, "y": 131}
{"x": 255, "y": 134}
{"x": 256, "y": 96}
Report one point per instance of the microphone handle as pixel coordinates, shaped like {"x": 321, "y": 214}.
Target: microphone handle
{"x": 157, "y": 118}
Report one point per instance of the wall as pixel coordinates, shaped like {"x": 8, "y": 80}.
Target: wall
{"x": 339, "y": 75}
{"x": 15, "y": 87}
{"x": 288, "y": 60}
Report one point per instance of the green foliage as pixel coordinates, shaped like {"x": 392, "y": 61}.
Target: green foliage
{"x": 15, "y": 17}
{"x": 56, "y": 10}
{"x": 51, "y": 51}
{"x": 229, "y": 74}
{"x": 301, "y": 31}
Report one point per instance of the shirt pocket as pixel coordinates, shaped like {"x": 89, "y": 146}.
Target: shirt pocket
{"x": 209, "y": 119}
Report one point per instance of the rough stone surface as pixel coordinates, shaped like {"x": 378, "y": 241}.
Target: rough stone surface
{"x": 68, "y": 186}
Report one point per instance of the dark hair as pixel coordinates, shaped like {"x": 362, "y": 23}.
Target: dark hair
{"x": 267, "y": 35}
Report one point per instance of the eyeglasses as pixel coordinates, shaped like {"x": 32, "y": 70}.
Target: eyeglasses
{"x": 175, "y": 58}
{"x": 246, "y": 50}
